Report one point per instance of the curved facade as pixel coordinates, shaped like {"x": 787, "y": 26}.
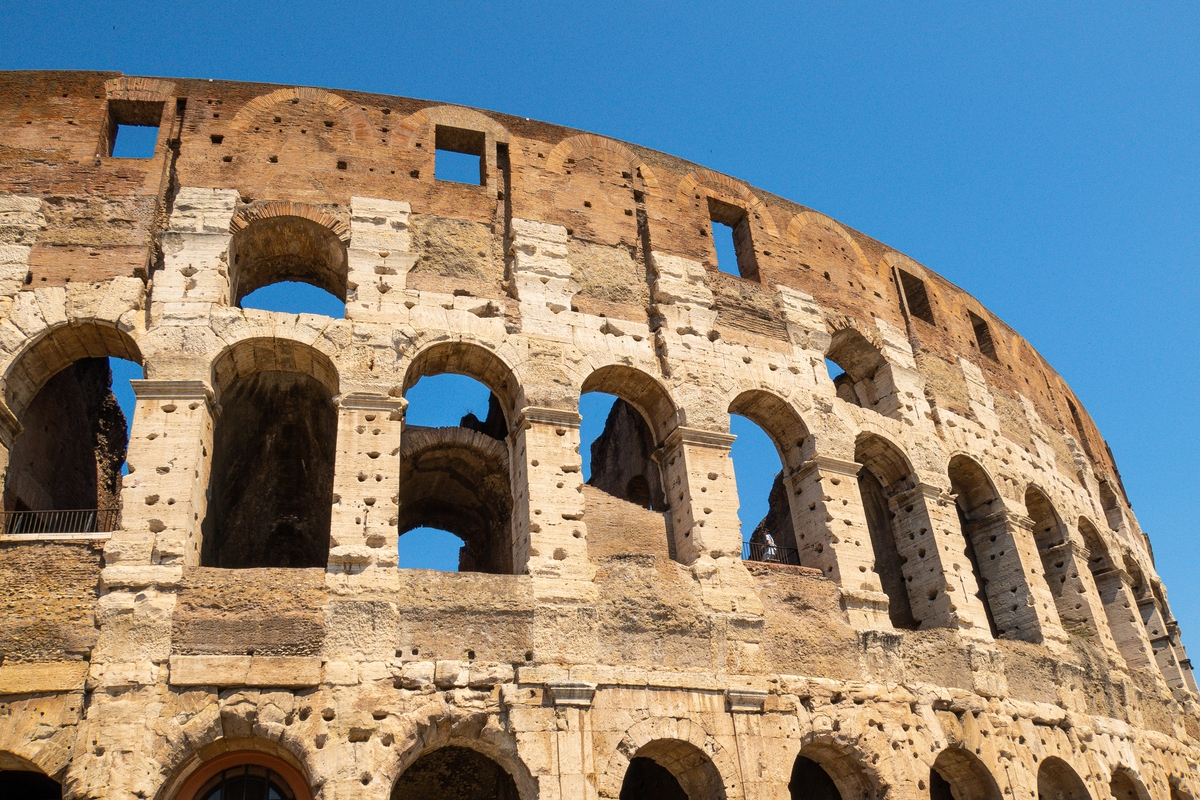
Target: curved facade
{"x": 956, "y": 600}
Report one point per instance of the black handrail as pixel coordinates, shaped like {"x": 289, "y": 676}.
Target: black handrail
{"x": 770, "y": 553}
{"x": 94, "y": 520}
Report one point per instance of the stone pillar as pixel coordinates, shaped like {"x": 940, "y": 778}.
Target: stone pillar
{"x": 164, "y": 496}
{"x": 941, "y": 584}
{"x": 1017, "y": 594}
{"x": 366, "y": 483}
{"x": 1124, "y": 619}
{"x": 831, "y": 534}
{"x": 195, "y": 254}
{"x": 10, "y": 429}
{"x": 701, "y": 493}
{"x": 549, "y": 532}
{"x": 574, "y": 746}
{"x": 1081, "y": 586}
{"x": 379, "y": 258}
{"x": 1185, "y": 664}
{"x": 1160, "y": 639}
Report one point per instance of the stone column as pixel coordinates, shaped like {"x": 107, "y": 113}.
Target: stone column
{"x": 378, "y": 260}
{"x": 366, "y": 483}
{"x": 701, "y": 493}
{"x": 1160, "y": 639}
{"x": 831, "y": 534}
{"x": 1017, "y": 593}
{"x": 1124, "y": 619}
{"x": 549, "y": 532}
{"x": 164, "y": 496}
{"x": 574, "y": 746}
{"x": 195, "y": 245}
{"x": 941, "y": 584}
{"x": 1081, "y": 588}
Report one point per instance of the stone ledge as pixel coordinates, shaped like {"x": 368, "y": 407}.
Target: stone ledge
{"x": 58, "y": 676}
{"x": 280, "y": 671}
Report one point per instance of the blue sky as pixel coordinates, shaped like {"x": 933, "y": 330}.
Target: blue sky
{"x": 1046, "y": 157}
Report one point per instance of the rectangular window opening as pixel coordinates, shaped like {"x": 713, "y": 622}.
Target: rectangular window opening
{"x": 459, "y": 156}
{"x": 133, "y": 128}
{"x": 732, "y": 240}
{"x": 917, "y": 297}
{"x": 983, "y": 336}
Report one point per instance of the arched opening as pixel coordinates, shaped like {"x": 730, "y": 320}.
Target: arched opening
{"x": 1050, "y": 535}
{"x": 244, "y": 775}
{"x": 958, "y": 774}
{"x": 28, "y": 784}
{"x": 1122, "y": 618}
{"x": 626, "y": 415}
{"x": 670, "y": 769}
{"x": 70, "y": 394}
{"x": 274, "y": 443}
{"x": 455, "y": 773}
{"x": 294, "y": 297}
{"x": 455, "y": 476}
{"x": 822, "y": 772}
{"x": 1125, "y": 786}
{"x": 853, "y": 363}
{"x": 286, "y": 250}
{"x": 1177, "y": 793}
{"x": 771, "y": 444}
{"x": 1111, "y": 505}
{"x": 976, "y": 500}
{"x": 1057, "y": 781}
{"x": 885, "y": 474}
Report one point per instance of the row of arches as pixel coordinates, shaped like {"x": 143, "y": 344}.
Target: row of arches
{"x": 661, "y": 769}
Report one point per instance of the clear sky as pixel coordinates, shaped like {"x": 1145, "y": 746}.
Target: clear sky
{"x": 1044, "y": 156}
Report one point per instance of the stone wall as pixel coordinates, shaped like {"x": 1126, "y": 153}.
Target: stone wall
{"x": 600, "y": 638}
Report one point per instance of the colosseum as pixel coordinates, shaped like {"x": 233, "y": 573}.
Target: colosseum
{"x": 948, "y": 599}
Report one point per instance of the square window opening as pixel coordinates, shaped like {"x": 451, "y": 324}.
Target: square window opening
{"x": 983, "y": 336}
{"x": 917, "y": 297}
{"x": 132, "y": 130}
{"x": 459, "y": 156}
{"x": 732, "y": 239}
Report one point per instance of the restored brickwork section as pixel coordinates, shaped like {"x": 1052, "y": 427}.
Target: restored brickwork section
{"x": 975, "y": 613}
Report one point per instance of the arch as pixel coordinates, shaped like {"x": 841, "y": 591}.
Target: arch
{"x": 641, "y": 391}
{"x": 274, "y": 446}
{"x": 962, "y": 777}
{"x": 1110, "y": 504}
{"x": 1125, "y": 785}
{"x": 975, "y": 503}
{"x": 56, "y": 349}
{"x": 457, "y": 480}
{"x": 454, "y": 116}
{"x": 454, "y": 772}
{"x": 1056, "y": 780}
{"x": 287, "y": 242}
{"x": 683, "y": 748}
{"x": 360, "y": 126}
{"x": 190, "y": 779}
{"x": 781, "y": 422}
{"x": 707, "y": 183}
{"x": 692, "y": 770}
{"x": 860, "y": 353}
{"x": 805, "y": 218}
{"x": 886, "y": 472}
{"x": 587, "y": 143}
{"x": 474, "y": 361}
{"x": 823, "y": 766}
{"x": 1053, "y": 544}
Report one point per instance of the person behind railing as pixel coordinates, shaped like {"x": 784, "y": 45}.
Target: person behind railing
{"x": 770, "y": 553}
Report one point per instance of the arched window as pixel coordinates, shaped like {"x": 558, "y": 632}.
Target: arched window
{"x": 976, "y": 500}
{"x": 455, "y": 496}
{"x": 626, "y": 416}
{"x": 244, "y": 775}
{"x": 455, "y": 773}
{"x": 1125, "y": 786}
{"x": 1123, "y": 620}
{"x": 1050, "y": 535}
{"x": 824, "y": 772}
{"x": 1057, "y": 781}
{"x": 958, "y": 774}
{"x": 288, "y": 263}
{"x": 274, "y": 443}
{"x": 670, "y": 769}
{"x": 65, "y": 466}
{"x": 885, "y": 474}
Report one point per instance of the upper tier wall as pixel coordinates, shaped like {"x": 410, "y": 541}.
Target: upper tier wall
{"x": 311, "y": 146}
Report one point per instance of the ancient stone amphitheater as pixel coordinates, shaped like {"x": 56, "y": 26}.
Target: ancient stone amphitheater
{"x": 949, "y": 598}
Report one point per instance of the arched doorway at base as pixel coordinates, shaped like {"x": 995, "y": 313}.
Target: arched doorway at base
{"x": 29, "y": 785}
{"x": 646, "y": 780}
{"x": 455, "y": 773}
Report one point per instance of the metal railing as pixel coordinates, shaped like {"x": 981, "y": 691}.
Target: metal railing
{"x": 41, "y": 523}
{"x": 770, "y": 553}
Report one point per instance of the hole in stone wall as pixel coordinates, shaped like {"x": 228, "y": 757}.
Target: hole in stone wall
{"x": 852, "y": 363}
{"x": 730, "y": 228}
{"x": 459, "y": 156}
{"x": 983, "y": 336}
{"x": 918, "y": 298}
{"x": 132, "y": 130}
{"x": 616, "y": 444}
{"x": 455, "y": 496}
{"x": 763, "y": 507}
{"x": 287, "y": 249}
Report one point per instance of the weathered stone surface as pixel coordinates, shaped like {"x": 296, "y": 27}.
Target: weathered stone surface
{"x": 975, "y": 613}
